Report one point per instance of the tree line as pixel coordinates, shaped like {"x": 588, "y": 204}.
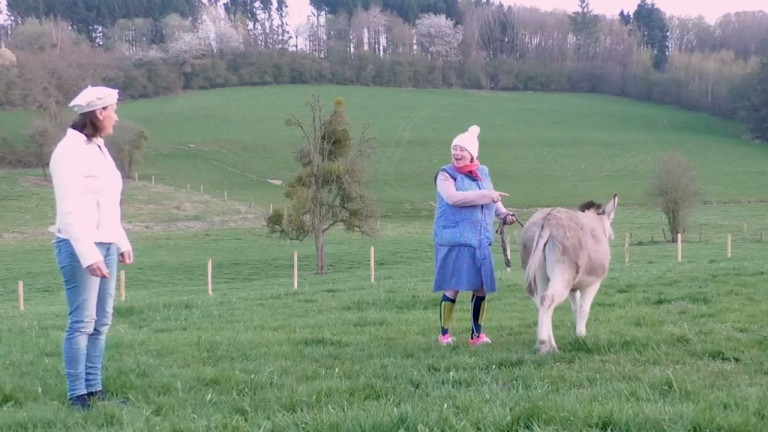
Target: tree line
{"x": 49, "y": 49}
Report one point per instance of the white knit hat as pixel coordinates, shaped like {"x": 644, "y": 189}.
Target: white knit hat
{"x": 93, "y": 98}
{"x": 469, "y": 141}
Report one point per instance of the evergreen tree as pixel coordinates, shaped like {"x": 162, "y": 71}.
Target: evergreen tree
{"x": 757, "y": 108}
{"x": 653, "y": 29}
{"x": 330, "y": 189}
{"x": 88, "y": 16}
{"x": 584, "y": 26}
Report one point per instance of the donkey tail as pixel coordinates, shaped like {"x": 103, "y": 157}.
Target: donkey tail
{"x": 537, "y": 259}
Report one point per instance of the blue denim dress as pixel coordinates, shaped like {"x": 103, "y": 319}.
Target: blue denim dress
{"x": 463, "y": 239}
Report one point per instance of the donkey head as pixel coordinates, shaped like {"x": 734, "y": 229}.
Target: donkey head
{"x": 605, "y": 214}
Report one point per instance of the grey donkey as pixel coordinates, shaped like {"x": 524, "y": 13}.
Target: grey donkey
{"x": 566, "y": 253}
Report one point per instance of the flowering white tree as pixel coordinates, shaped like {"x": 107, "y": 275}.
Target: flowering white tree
{"x": 438, "y": 37}
{"x": 7, "y": 58}
{"x": 219, "y": 32}
{"x": 215, "y": 34}
{"x": 5, "y": 23}
{"x": 187, "y": 46}
{"x": 132, "y": 36}
{"x": 174, "y": 26}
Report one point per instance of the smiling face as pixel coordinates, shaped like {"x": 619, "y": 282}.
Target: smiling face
{"x": 460, "y": 156}
{"x": 107, "y": 119}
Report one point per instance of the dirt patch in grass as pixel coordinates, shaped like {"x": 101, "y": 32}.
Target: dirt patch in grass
{"x": 35, "y": 181}
{"x": 145, "y": 207}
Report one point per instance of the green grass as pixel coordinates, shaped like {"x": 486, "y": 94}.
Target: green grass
{"x": 670, "y": 346}
{"x": 12, "y": 125}
{"x": 543, "y": 149}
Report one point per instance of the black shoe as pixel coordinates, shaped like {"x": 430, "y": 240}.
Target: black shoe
{"x": 101, "y": 395}
{"x": 81, "y": 402}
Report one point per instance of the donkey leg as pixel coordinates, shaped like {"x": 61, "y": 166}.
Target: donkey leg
{"x": 587, "y": 296}
{"x": 546, "y": 309}
{"x": 548, "y": 301}
{"x": 575, "y": 298}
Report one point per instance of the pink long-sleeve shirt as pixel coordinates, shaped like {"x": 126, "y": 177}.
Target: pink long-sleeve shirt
{"x": 446, "y": 187}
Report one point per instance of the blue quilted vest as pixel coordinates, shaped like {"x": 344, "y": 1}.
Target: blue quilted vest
{"x": 465, "y": 226}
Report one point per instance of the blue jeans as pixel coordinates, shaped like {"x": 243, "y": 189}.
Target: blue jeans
{"x": 91, "y": 301}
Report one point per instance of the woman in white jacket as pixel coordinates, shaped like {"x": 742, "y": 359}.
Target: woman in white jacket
{"x": 90, "y": 238}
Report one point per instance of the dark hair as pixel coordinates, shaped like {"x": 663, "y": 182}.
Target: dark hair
{"x": 88, "y": 124}
{"x": 590, "y": 205}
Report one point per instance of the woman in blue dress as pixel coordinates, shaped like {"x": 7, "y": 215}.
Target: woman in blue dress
{"x": 467, "y": 206}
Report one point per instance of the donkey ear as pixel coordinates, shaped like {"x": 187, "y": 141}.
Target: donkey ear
{"x": 610, "y": 208}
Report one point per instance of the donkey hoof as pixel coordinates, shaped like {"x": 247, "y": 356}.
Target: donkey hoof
{"x": 545, "y": 348}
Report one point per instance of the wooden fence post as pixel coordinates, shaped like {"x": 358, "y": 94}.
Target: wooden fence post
{"x": 373, "y": 266}
{"x": 626, "y": 250}
{"x": 21, "y": 295}
{"x": 295, "y": 269}
{"x": 122, "y": 285}
{"x": 210, "y": 277}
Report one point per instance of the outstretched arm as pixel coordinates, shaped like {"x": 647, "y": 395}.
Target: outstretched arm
{"x": 446, "y": 187}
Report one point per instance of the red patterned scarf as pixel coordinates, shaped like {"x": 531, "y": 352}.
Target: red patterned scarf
{"x": 470, "y": 169}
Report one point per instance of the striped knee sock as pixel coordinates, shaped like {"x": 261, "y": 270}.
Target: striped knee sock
{"x": 478, "y": 314}
{"x": 446, "y": 313}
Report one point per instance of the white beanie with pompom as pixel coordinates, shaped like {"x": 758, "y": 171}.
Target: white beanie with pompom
{"x": 469, "y": 141}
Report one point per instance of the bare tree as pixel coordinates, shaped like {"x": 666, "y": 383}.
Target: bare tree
{"x": 544, "y": 35}
{"x": 43, "y": 134}
{"x": 675, "y": 190}
{"x": 709, "y": 80}
{"x": 400, "y": 36}
{"x": 133, "y": 36}
{"x": 127, "y": 145}
{"x": 741, "y": 32}
{"x": 498, "y": 33}
{"x": 621, "y": 60}
{"x": 368, "y": 29}
{"x": 54, "y": 64}
{"x": 315, "y": 33}
{"x": 283, "y": 36}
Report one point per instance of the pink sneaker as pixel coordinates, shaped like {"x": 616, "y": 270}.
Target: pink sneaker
{"x": 480, "y": 340}
{"x": 445, "y": 339}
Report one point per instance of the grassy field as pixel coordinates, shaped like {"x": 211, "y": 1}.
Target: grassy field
{"x": 670, "y": 346}
{"x": 543, "y": 149}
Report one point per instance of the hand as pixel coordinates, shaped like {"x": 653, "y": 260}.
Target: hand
{"x": 98, "y": 269}
{"x": 496, "y": 196}
{"x": 509, "y": 219}
{"x": 126, "y": 257}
